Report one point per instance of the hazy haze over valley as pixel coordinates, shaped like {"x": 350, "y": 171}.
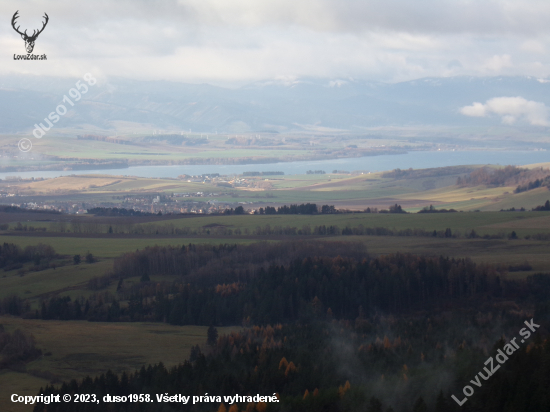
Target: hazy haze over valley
{"x": 517, "y": 105}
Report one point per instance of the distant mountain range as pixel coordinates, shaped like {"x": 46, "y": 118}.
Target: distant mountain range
{"x": 276, "y": 106}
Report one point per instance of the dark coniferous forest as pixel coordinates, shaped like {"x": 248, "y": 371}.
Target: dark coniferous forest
{"x": 324, "y": 326}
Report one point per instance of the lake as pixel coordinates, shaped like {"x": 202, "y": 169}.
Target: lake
{"x": 416, "y": 160}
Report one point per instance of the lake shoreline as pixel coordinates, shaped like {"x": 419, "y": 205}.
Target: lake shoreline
{"x": 371, "y": 163}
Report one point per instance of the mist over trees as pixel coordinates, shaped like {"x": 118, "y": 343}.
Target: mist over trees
{"x": 377, "y": 363}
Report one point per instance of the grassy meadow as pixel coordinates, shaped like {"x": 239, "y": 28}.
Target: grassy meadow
{"x": 67, "y": 146}
{"x": 76, "y": 349}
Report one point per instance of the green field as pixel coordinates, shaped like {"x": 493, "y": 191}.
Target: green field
{"x": 502, "y": 252}
{"x": 490, "y": 223}
{"x": 65, "y": 145}
{"x": 524, "y": 223}
{"x": 75, "y": 349}
{"x": 37, "y": 284}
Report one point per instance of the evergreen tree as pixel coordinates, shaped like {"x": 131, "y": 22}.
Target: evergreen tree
{"x": 420, "y": 406}
{"x": 195, "y": 353}
{"x": 374, "y": 405}
{"x": 441, "y": 404}
{"x": 212, "y": 335}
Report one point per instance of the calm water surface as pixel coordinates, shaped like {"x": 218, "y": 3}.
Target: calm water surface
{"x": 416, "y": 160}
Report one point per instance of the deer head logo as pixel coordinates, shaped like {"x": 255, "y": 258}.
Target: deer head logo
{"x": 29, "y": 40}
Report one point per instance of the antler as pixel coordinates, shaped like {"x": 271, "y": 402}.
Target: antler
{"x": 15, "y": 17}
{"x": 34, "y": 35}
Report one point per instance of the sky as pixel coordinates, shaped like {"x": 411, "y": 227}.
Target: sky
{"x": 234, "y": 42}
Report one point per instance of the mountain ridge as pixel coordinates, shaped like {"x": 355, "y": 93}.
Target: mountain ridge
{"x": 278, "y": 104}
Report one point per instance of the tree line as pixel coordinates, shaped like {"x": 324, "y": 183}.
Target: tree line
{"x": 533, "y": 185}
{"x": 13, "y": 257}
{"x": 543, "y": 208}
{"x": 232, "y": 284}
{"x": 526, "y": 179}
{"x": 115, "y": 211}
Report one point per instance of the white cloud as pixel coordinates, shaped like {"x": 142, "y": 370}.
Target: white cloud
{"x": 426, "y": 16}
{"x": 238, "y": 41}
{"x": 497, "y": 63}
{"x": 533, "y": 46}
{"x": 475, "y": 110}
{"x": 511, "y": 109}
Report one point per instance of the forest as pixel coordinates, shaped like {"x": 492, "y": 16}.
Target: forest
{"x": 340, "y": 366}
{"x": 232, "y": 284}
{"x": 325, "y": 326}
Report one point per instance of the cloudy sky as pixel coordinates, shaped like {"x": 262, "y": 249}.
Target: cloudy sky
{"x": 232, "y": 42}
